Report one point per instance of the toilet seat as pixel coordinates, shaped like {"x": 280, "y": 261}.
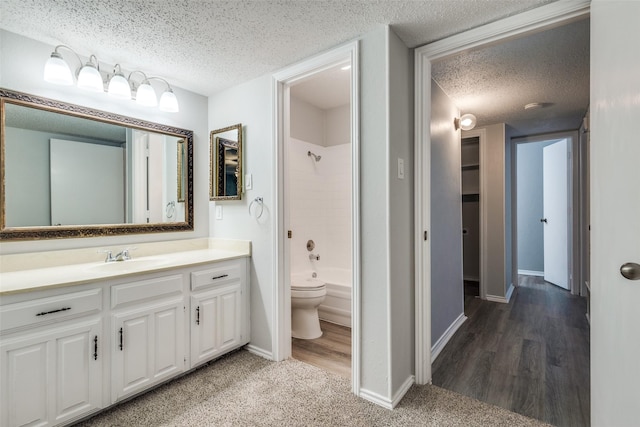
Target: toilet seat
{"x": 308, "y": 288}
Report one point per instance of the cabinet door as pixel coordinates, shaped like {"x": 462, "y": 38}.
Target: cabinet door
{"x": 51, "y": 376}
{"x": 216, "y": 322}
{"x": 148, "y": 346}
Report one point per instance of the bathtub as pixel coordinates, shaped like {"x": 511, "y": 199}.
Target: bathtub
{"x": 336, "y": 307}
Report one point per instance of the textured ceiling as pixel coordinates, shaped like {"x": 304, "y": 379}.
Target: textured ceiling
{"x": 496, "y": 82}
{"x": 206, "y": 46}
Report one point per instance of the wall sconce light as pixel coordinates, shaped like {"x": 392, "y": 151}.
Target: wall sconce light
{"x": 465, "y": 122}
{"x": 89, "y": 77}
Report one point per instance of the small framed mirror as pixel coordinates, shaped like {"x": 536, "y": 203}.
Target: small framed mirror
{"x": 225, "y": 181}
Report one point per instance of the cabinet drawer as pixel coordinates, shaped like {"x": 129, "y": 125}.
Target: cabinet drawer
{"x": 218, "y": 274}
{"x": 145, "y": 290}
{"x": 32, "y": 313}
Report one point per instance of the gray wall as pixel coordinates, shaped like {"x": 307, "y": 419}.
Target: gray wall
{"x": 494, "y": 196}
{"x": 447, "y": 297}
{"x": 401, "y": 205}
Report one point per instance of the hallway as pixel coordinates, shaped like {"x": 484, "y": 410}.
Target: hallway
{"x": 530, "y": 356}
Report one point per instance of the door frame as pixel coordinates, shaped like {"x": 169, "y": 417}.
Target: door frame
{"x": 535, "y": 20}
{"x": 281, "y": 343}
{"x": 481, "y": 134}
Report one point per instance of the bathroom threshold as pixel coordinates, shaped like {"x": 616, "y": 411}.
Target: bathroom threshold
{"x": 332, "y": 351}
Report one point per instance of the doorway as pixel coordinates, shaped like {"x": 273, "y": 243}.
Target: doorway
{"x": 543, "y": 207}
{"x": 294, "y": 203}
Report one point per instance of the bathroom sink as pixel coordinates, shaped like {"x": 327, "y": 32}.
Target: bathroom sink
{"x": 131, "y": 264}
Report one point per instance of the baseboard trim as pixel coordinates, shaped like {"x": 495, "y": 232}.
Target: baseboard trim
{"x": 374, "y": 397}
{"x": 531, "y": 273}
{"x": 404, "y": 388}
{"x": 502, "y": 299}
{"x": 335, "y": 315}
{"x": 510, "y": 292}
{"x": 446, "y": 336}
{"x": 259, "y": 352}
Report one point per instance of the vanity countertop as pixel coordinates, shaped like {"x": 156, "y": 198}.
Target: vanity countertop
{"x": 43, "y": 270}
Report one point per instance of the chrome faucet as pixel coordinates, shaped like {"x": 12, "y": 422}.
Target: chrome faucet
{"x": 314, "y": 257}
{"x": 123, "y": 255}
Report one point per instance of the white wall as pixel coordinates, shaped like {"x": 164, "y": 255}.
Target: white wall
{"x": 307, "y": 122}
{"x": 338, "y": 129}
{"x": 21, "y": 66}
{"x": 447, "y": 294}
{"x": 251, "y": 104}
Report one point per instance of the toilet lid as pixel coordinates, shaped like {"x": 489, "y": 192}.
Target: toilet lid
{"x": 309, "y": 284}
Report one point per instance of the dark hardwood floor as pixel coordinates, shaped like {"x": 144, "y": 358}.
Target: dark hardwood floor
{"x": 332, "y": 351}
{"x": 530, "y": 356}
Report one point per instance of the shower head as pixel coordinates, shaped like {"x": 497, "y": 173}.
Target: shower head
{"x": 315, "y": 156}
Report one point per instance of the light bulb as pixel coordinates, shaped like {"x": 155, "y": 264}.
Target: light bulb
{"x": 169, "y": 102}
{"x": 56, "y": 70}
{"x": 119, "y": 87}
{"x": 146, "y": 95}
{"x": 89, "y": 78}
{"x": 467, "y": 122}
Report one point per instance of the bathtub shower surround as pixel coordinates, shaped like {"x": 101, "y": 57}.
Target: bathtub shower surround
{"x": 320, "y": 210}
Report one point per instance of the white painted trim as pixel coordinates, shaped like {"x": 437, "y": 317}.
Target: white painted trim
{"x": 484, "y": 207}
{"x": 502, "y": 299}
{"x": 282, "y": 286}
{"x": 376, "y": 398}
{"x": 538, "y": 19}
{"x": 259, "y": 351}
{"x": 404, "y": 388}
{"x": 446, "y": 336}
{"x": 335, "y": 315}
{"x": 531, "y": 273}
{"x": 422, "y": 184}
{"x": 387, "y": 204}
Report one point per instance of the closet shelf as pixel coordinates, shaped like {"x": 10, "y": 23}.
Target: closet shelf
{"x": 471, "y": 166}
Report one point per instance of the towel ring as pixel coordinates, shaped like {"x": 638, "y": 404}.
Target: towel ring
{"x": 260, "y": 202}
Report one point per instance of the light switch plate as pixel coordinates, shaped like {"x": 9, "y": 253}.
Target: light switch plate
{"x": 219, "y": 212}
{"x": 400, "y": 168}
{"x": 248, "y": 182}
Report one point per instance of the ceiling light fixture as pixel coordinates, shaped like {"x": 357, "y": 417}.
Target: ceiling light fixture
{"x": 89, "y": 77}
{"x": 465, "y": 122}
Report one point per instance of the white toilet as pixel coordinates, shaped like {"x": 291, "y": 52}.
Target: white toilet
{"x": 306, "y": 295}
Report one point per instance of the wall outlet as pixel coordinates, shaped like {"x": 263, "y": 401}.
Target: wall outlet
{"x": 400, "y": 168}
{"x": 248, "y": 182}
{"x": 219, "y": 212}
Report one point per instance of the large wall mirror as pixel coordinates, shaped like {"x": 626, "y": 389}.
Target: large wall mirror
{"x": 225, "y": 182}
{"x": 71, "y": 171}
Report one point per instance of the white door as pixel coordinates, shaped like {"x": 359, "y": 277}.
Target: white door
{"x": 555, "y": 217}
{"x": 615, "y": 213}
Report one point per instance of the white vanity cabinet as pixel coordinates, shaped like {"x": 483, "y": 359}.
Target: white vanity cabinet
{"x": 52, "y": 356}
{"x": 69, "y": 350}
{"x": 147, "y": 334}
{"x": 218, "y": 320}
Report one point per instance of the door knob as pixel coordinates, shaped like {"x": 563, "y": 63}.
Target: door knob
{"x": 630, "y": 270}
{"x": 543, "y": 220}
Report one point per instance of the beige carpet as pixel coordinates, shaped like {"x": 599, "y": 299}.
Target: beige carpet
{"x": 242, "y": 389}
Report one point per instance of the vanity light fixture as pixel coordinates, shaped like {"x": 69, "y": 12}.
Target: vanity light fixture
{"x": 465, "y": 122}
{"x": 89, "y": 77}
{"x": 118, "y": 85}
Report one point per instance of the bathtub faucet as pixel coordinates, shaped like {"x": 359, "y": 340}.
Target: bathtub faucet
{"x": 312, "y": 257}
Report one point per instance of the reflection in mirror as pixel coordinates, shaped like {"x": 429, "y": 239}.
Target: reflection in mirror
{"x": 226, "y": 163}
{"x": 69, "y": 171}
